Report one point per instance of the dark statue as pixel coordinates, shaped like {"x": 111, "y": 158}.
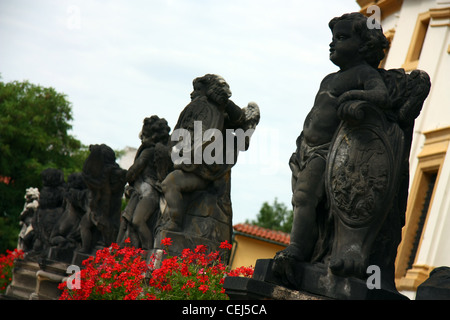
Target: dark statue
{"x": 197, "y": 207}
{"x": 105, "y": 181}
{"x": 50, "y": 209}
{"x": 65, "y": 236}
{"x": 151, "y": 165}
{"x": 350, "y": 171}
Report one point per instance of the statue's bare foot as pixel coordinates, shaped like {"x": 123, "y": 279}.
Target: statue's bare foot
{"x": 284, "y": 262}
{"x": 352, "y": 264}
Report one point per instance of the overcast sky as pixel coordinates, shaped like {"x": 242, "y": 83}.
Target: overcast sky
{"x": 121, "y": 61}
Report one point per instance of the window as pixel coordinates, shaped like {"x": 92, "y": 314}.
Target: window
{"x": 435, "y": 17}
{"x": 418, "y": 38}
{"x": 428, "y": 183}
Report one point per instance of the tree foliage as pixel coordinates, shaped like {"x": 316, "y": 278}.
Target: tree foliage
{"x": 276, "y": 217}
{"x": 34, "y": 127}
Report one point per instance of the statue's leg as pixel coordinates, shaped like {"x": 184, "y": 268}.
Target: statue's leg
{"x": 86, "y": 234}
{"x": 125, "y": 222}
{"x": 144, "y": 209}
{"x": 308, "y": 191}
{"x": 173, "y": 187}
{"x": 107, "y": 231}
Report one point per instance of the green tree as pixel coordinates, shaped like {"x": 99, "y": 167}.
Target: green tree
{"x": 34, "y": 126}
{"x": 276, "y": 217}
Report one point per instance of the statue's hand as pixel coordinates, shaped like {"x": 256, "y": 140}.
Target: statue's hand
{"x": 350, "y": 95}
{"x": 351, "y": 111}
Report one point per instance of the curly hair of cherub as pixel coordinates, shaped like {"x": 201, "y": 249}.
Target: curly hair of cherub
{"x": 159, "y": 128}
{"x": 375, "y": 42}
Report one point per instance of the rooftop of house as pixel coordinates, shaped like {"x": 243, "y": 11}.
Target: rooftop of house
{"x": 263, "y": 234}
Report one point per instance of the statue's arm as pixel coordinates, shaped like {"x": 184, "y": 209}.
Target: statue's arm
{"x": 138, "y": 166}
{"x": 236, "y": 115}
{"x": 374, "y": 90}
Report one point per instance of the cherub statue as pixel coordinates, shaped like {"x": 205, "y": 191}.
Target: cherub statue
{"x": 211, "y": 107}
{"x": 51, "y": 201}
{"x": 26, "y": 235}
{"x": 151, "y": 165}
{"x": 65, "y": 236}
{"x": 357, "y": 50}
{"x": 105, "y": 181}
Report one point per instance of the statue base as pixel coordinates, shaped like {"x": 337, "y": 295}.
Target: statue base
{"x": 51, "y": 274}
{"x": 36, "y": 281}
{"x": 240, "y": 288}
{"x": 23, "y": 282}
{"x": 313, "y": 282}
{"x": 61, "y": 254}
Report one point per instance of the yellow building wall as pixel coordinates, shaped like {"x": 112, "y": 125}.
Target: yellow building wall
{"x": 247, "y": 250}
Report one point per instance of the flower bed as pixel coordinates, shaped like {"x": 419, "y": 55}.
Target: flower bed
{"x": 123, "y": 274}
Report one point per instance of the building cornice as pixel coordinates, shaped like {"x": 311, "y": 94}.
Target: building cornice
{"x": 387, "y": 7}
{"x": 440, "y": 13}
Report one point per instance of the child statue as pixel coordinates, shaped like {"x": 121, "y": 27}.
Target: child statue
{"x": 338, "y": 192}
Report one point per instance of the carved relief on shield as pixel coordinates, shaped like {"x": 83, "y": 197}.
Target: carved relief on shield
{"x": 360, "y": 171}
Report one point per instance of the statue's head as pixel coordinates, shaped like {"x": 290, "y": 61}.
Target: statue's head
{"x": 368, "y": 40}
{"x": 75, "y": 181}
{"x": 100, "y": 158}
{"x": 32, "y": 194}
{"x": 155, "y": 129}
{"x": 213, "y": 86}
{"x": 52, "y": 177}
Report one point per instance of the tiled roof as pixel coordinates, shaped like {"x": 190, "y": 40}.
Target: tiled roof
{"x": 263, "y": 233}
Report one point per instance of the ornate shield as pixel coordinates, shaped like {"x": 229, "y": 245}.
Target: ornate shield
{"x": 363, "y": 166}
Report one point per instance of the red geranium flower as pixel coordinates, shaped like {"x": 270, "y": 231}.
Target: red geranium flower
{"x": 226, "y": 245}
{"x": 166, "y": 242}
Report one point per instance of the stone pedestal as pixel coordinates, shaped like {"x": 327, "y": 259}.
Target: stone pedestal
{"x": 61, "y": 254}
{"x": 313, "y": 282}
{"x": 240, "y": 288}
{"x": 23, "y": 282}
{"x": 47, "y": 280}
{"x": 36, "y": 281}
